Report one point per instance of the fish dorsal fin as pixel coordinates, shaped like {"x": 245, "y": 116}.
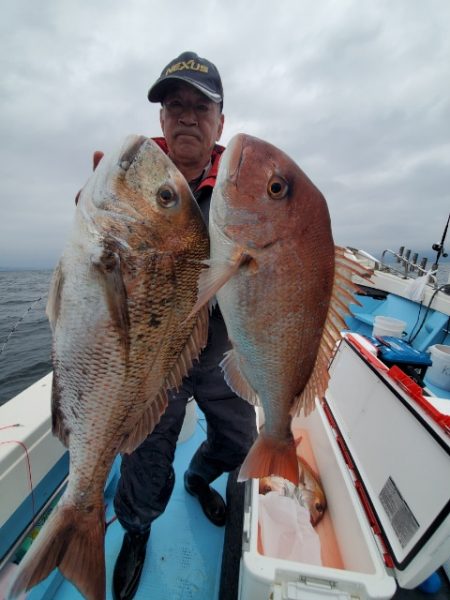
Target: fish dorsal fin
{"x": 342, "y": 295}
{"x": 153, "y": 412}
{"x": 235, "y": 380}
{"x": 54, "y": 295}
{"x": 145, "y": 424}
{"x": 194, "y": 345}
{"x": 216, "y": 276}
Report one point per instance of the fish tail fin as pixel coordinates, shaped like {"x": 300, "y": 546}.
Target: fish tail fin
{"x": 73, "y": 541}
{"x": 269, "y": 456}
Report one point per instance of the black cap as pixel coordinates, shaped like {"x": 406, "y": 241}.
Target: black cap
{"x": 192, "y": 69}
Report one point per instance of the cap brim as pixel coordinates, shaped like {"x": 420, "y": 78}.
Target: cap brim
{"x": 157, "y": 92}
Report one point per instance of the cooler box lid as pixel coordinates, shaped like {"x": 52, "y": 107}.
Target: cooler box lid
{"x": 400, "y": 455}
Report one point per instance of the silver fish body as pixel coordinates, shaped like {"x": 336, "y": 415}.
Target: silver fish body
{"x": 118, "y": 307}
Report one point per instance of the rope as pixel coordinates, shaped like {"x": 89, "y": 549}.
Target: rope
{"x": 25, "y": 449}
{"x": 427, "y": 310}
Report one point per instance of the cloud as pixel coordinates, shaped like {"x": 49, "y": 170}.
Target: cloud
{"x": 356, "y": 92}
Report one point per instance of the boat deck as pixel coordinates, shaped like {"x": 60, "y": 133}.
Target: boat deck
{"x": 184, "y": 558}
{"x": 184, "y": 553}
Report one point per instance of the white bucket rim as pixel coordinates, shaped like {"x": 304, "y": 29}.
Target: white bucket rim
{"x": 440, "y": 350}
{"x": 379, "y": 319}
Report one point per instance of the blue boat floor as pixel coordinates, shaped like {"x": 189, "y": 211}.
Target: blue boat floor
{"x": 184, "y": 553}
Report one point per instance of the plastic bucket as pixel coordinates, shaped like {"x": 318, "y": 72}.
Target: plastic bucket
{"x": 190, "y": 421}
{"x": 439, "y": 372}
{"x": 388, "y": 326}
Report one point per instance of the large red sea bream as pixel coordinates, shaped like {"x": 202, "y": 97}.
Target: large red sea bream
{"x": 283, "y": 288}
{"x": 118, "y": 308}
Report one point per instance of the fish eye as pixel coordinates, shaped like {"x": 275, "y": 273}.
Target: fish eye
{"x": 277, "y": 187}
{"x": 166, "y": 197}
{"x": 319, "y": 507}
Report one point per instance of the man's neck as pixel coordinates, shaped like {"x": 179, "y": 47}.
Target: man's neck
{"x": 190, "y": 171}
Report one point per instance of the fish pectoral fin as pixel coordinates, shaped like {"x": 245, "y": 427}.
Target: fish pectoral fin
{"x": 236, "y": 380}
{"x": 145, "y": 425}
{"x": 54, "y": 295}
{"x": 108, "y": 268}
{"x": 216, "y": 276}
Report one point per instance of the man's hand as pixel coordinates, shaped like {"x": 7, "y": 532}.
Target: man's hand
{"x": 96, "y": 158}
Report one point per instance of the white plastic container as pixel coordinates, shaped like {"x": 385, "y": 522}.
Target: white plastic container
{"x": 28, "y": 449}
{"x": 439, "y": 372}
{"x": 189, "y": 423}
{"x": 388, "y": 326}
{"x": 385, "y": 525}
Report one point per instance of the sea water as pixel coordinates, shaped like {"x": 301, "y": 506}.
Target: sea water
{"x": 25, "y": 338}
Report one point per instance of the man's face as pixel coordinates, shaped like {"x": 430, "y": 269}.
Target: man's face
{"x": 191, "y": 123}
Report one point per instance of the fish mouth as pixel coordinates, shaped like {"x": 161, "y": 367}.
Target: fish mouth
{"x": 236, "y": 150}
{"x": 236, "y": 154}
{"x": 126, "y": 159}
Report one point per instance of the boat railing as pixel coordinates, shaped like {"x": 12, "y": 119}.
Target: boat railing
{"x": 408, "y": 265}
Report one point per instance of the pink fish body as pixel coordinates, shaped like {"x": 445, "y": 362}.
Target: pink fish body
{"x": 277, "y": 277}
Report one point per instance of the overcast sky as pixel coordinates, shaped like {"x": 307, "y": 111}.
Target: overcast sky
{"x": 357, "y": 92}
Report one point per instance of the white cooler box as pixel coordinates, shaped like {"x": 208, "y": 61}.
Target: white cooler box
{"x": 383, "y": 455}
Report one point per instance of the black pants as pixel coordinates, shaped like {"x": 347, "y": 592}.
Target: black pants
{"x": 147, "y": 475}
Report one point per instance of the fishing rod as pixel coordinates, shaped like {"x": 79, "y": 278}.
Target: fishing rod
{"x": 439, "y": 248}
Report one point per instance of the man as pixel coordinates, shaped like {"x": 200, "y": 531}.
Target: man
{"x": 191, "y": 96}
